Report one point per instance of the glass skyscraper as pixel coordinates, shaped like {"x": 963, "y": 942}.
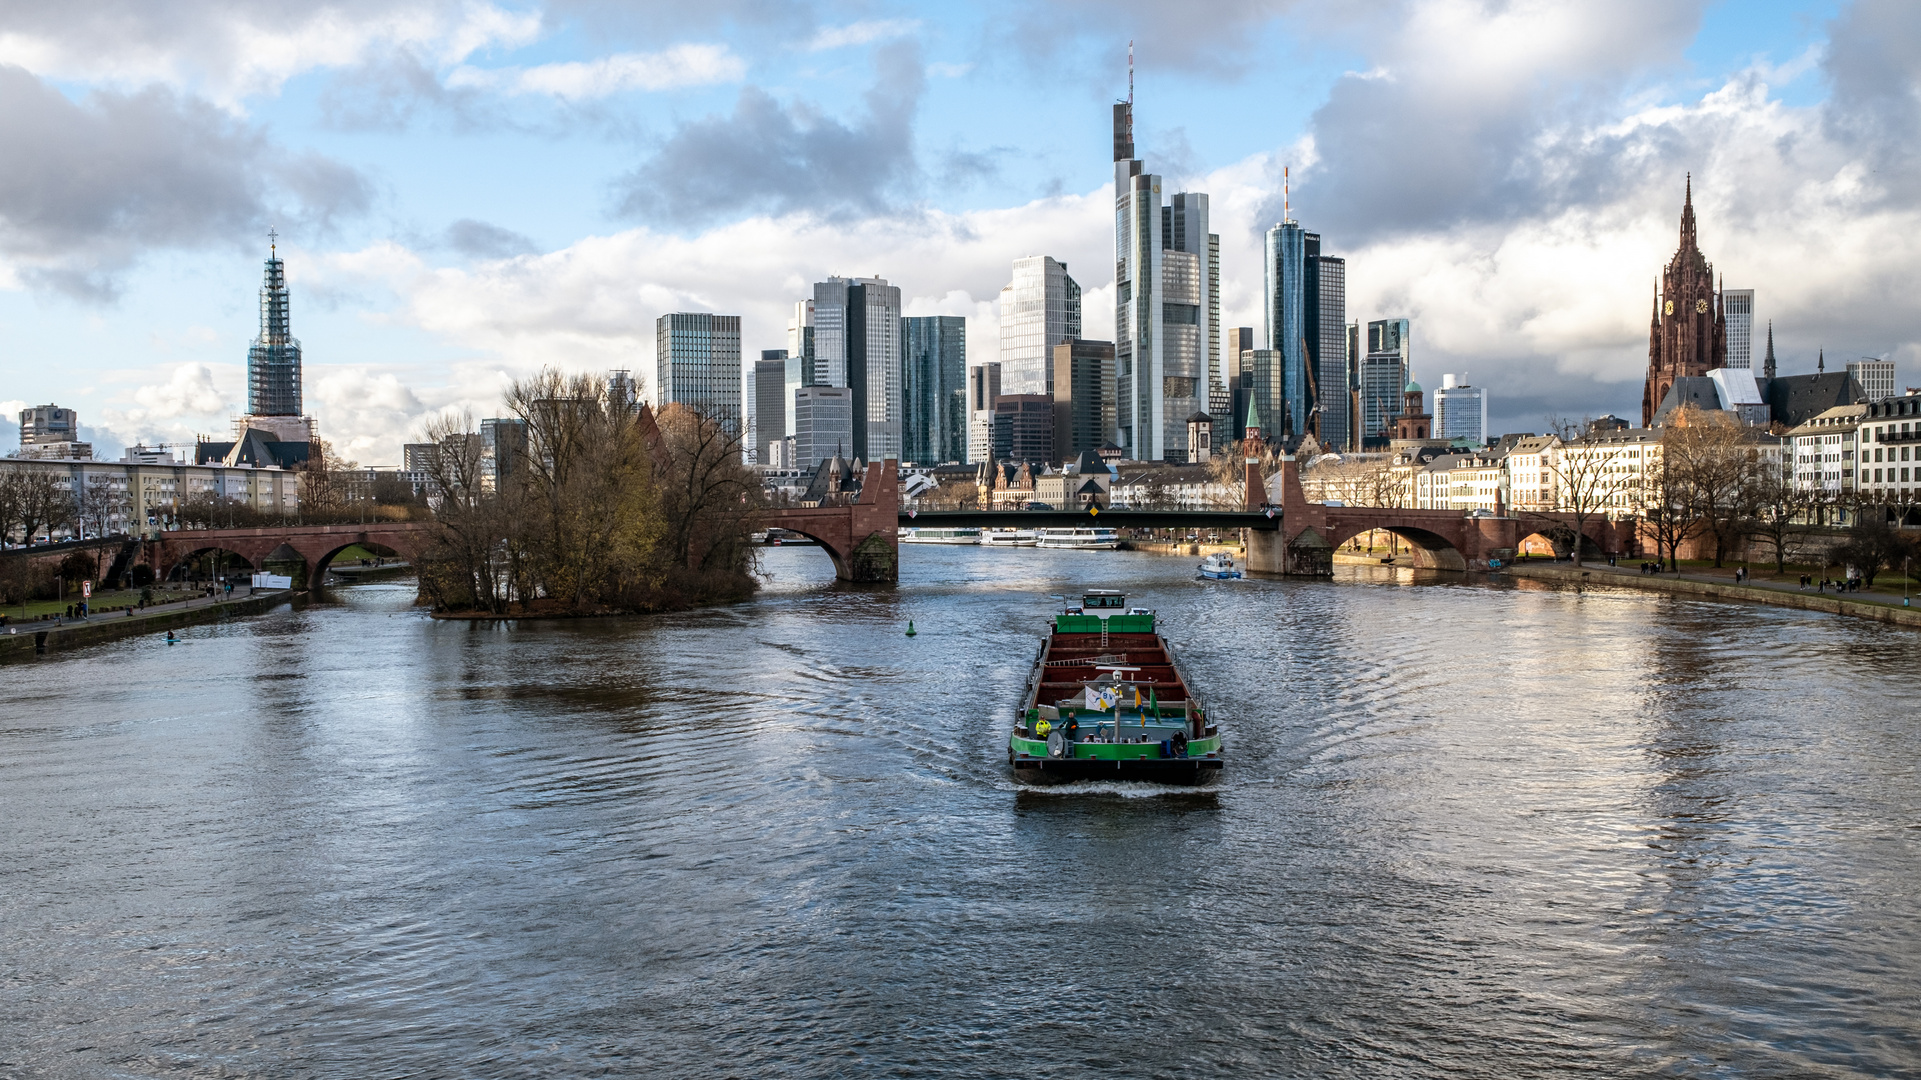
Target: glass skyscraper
{"x": 1384, "y": 375}
{"x": 857, "y": 345}
{"x": 1326, "y": 302}
{"x": 1167, "y": 275}
{"x": 1040, "y": 308}
{"x": 1460, "y": 411}
{"x": 697, "y": 364}
{"x": 771, "y": 402}
{"x": 1287, "y": 327}
{"x": 934, "y": 389}
{"x": 1737, "y": 306}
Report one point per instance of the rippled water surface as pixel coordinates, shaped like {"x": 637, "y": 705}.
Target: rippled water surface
{"x": 1467, "y": 830}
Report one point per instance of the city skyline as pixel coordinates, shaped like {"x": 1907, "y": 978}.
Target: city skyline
{"x": 143, "y": 327}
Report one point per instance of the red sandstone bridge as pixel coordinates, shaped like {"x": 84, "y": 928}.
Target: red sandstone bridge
{"x": 1291, "y": 536}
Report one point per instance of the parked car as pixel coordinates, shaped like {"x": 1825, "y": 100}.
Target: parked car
{"x": 1037, "y": 506}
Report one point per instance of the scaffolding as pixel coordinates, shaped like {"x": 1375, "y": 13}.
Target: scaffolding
{"x": 273, "y": 362}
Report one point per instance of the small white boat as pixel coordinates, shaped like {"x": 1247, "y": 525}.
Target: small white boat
{"x": 941, "y": 536}
{"x": 1219, "y": 567}
{"x": 1009, "y": 538}
{"x": 1078, "y": 539}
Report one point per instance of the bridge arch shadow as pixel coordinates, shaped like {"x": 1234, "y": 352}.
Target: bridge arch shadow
{"x": 184, "y": 564}
{"x": 322, "y": 563}
{"x": 841, "y": 572}
{"x": 1557, "y": 541}
{"x": 1431, "y": 550}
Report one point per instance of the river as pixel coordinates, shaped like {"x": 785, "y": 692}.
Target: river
{"x": 1466, "y": 829}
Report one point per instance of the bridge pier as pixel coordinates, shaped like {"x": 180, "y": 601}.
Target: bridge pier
{"x": 861, "y": 537}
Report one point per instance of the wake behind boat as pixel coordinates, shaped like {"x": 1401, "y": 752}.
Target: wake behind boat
{"x": 1107, "y": 702}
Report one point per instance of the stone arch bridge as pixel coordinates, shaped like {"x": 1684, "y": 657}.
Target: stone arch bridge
{"x": 315, "y": 546}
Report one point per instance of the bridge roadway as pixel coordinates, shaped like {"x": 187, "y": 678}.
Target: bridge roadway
{"x": 1218, "y": 520}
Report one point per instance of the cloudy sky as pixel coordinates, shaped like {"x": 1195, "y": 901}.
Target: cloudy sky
{"x": 466, "y": 190}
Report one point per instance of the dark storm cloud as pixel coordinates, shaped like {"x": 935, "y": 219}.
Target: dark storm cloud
{"x": 480, "y": 240}
{"x": 1204, "y": 37}
{"x": 86, "y": 186}
{"x": 774, "y": 158}
{"x": 1873, "y": 64}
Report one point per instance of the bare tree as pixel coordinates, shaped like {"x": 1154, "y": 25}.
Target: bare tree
{"x": 1782, "y": 514}
{"x": 41, "y": 501}
{"x": 1590, "y": 475}
{"x": 1712, "y": 461}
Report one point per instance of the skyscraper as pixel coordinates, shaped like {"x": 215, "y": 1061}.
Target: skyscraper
{"x": 1264, "y": 374}
{"x": 273, "y": 362}
{"x": 771, "y": 402}
{"x": 983, "y": 386}
{"x": 1229, "y": 409}
{"x": 1083, "y": 397}
{"x": 800, "y": 356}
{"x": 1326, "y": 303}
{"x": 1287, "y": 326}
{"x": 1163, "y": 303}
{"x": 857, "y": 345}
{"x": 697, "y": 364}
{"x": 934, "y": 389}
{"x": 1385, "y": 371}
{"x": 823, "y": 423}
{"x": 1460, "y": 411}
{"x": 1040, "y": 308}
{"x": 1738, "y": 306}
{"x": 1875, "y": 376}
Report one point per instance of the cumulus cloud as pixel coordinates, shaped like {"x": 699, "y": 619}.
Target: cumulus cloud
{"x": 479, "y": 240}
{"x": 860, "y": 33}
{"x": 86, "y": 186}
{"x": 365, "y": 414}
{"x": 228, "y": 49}
{"x": 769, "y": 157}
{"x": 680, "y": 66}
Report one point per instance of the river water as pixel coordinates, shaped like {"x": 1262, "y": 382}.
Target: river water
{"x": 1467, "y": 829}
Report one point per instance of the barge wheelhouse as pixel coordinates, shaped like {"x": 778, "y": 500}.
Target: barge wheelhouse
{"x": 1107, "y": 701}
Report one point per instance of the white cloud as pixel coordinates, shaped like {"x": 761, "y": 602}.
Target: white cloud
{"x": 364, "y": 414}
{"x": 860, "y": 33}
{"x": 682, "y": 65}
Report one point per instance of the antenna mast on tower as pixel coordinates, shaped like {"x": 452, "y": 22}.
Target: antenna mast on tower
{"x": 1130, "y": 91}
{"x": 1287, "y": 194}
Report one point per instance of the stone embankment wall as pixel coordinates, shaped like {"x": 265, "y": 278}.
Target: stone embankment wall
{"x": 1832, "y": 603}
{"x": 33, "y": 638}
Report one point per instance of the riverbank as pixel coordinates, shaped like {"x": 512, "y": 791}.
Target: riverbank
{"x": 30, "y": 639}
{"x": 1863, "y": 606}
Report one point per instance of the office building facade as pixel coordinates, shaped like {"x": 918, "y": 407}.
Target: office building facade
{"x": 934, "y": 389}
{"x": 697, "y": 365}
{"x": 1040, "y": 308}
{"x": 1738, "y": 306}
{"x": 1460, "y": 411}
{"x": 823, "y": 424}
{"x": 857, "y": 345}
{"x": 770, "y": 402}
{"x": 1024, "y": 428}
{"x": 983, "y": 386}
{"x": 1385, "y": 372}
{"x": 1875, "y": 376}
{"x": 1326, "y": 303}
{"x": 1083, "y": 397}
{"x": 1167, "y": 279}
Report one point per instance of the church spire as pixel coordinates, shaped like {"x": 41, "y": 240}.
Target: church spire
{"x": 1821, "y": 362}
{"x": 1687, "y": 217}
{"x": 1767, "y": 365}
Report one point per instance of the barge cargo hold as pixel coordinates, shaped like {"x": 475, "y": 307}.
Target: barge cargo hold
{"x": 1107, "y": 701}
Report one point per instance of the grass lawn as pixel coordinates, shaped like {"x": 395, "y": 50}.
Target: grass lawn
{"x": 101, "y": 600}
{"x": 1886, "y": 583}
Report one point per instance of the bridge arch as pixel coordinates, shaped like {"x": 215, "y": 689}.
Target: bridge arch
{"x": 1431, "y": 550}
{"x": 1557, "y": 540}
{"x": 317, "y": 572}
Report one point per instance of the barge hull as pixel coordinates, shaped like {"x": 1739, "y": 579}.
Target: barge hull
{"x": 1178, "y": 771}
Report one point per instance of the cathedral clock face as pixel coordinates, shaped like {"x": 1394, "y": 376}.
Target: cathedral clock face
{"x": 1668, "y": 309}
{"x": 1701, "y": 307}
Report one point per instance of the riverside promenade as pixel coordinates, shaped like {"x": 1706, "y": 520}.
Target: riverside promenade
{"x": 1863, "y": 605}
{"x": 24, "y": 640}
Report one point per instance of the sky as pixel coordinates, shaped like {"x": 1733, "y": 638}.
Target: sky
{"x": 468, "y": 190}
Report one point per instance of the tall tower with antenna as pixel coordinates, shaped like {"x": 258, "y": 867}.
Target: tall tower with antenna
{"x": 1167, "y": 284}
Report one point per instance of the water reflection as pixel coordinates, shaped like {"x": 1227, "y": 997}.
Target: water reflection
{"x": 1470, "y": 827}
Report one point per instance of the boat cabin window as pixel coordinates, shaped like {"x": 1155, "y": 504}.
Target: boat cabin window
{"x": 1103, "y": 600}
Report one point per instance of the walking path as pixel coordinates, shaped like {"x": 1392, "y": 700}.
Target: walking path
{"x": 1878, "y": 606}
{"x": 33, "y": 636}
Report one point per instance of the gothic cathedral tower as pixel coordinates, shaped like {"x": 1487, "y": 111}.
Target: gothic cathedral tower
{"x": 1689, "y": 335}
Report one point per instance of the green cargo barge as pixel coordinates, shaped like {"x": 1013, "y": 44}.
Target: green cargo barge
{"x": 1108, "y": 702}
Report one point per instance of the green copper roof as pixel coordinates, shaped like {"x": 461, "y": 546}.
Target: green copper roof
{"x": 1253, "y": 415}
{"x": 1412, "y": 386}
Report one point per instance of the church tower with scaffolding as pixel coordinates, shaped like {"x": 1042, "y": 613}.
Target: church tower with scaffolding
{"x": 1688, "y": 336}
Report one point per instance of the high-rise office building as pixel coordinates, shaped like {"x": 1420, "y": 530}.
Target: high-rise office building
{"x": 1229, "y": 406}
{"x": 1875, "y": 376}
{"x": 1384, "y": 375}
{"x": 1024, "y": 428}
{"x": 503, "y": 449}
{"x": 273, "y": 361}
{"x": 800, "y": 356}
{"x": 697, "y": 365}
{"x": 1040, "y": 308}
{"x": 1354, "y": 355}
{"x": 934, "y": 389}
{"x": 1304, "y": 308}
{"x": 1167, "y": 277}
{"x": 983, "y": 386}
{"x": 1460, "y": 411}
{"x": 857, "y": 345}
{"x": 823, "y": 424}
{"x": 1264, "y": 383}
{"x": 1083, "y": 397}
{"x": 770, "y": 402}
{"x": 1738, "y": 306}
{"x": 1326, "y": 302}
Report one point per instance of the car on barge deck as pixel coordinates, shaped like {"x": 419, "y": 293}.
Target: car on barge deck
{"x": 1107, "y": 701}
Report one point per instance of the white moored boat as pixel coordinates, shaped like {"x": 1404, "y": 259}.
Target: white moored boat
{"x": 1079, "y": 539}
{"x": 1220, "y": 567}
{"x": 1010, "y": 538}
{"x": 941, "y": 536}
